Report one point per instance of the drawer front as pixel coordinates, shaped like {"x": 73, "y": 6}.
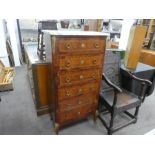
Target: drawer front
{"x": 69, "y": 92}
{"x": 84, "y": 61}
{"x": 77, "y": 77}
{"x": 75, "y": 114}
{"x": 80, "y": 44}
{"x": 87, "y": 99}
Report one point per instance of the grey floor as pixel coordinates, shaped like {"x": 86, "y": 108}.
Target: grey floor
{"x": 18, "y": 115}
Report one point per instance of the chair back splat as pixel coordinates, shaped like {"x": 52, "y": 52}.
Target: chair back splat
{"x": 111, "y": 69}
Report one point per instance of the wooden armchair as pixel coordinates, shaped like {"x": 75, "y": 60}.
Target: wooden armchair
{"x": 115, "y": 99}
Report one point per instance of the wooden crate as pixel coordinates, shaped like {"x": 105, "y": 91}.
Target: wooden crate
{"x": 6, "y": 77}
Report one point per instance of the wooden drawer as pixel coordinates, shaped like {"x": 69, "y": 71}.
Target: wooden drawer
{"x": 77, "y": 44}
{"x": 74, "y": 114}
{"x": 68, "y": 78}
{"x": 84, "y": 61}
{"x": 69, "y": 92}
{"x": 87, "y": 99}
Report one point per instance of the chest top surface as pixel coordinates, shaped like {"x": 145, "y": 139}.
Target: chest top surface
{"x": 74, "y": 33}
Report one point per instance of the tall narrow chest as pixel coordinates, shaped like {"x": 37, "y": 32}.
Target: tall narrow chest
{"x": 76, "y": 62}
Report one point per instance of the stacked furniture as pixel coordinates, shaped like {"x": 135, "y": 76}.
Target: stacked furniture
{"x": 77, "y": 61}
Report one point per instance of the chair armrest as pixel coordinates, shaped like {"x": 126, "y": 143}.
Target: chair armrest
{"x": 144, "y": 83}
{"x": 116, "y": 88}
{"x": 139, "y": 79}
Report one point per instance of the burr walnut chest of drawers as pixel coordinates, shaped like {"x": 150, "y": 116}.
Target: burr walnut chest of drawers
{"x": 76, "y": 62}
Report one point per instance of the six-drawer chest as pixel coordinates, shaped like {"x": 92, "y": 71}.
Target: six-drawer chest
{"x": 76, "y": 64}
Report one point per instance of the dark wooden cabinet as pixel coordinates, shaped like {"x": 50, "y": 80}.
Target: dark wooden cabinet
{"x": 77, "y": 61}
{"x": 38, "y": 72}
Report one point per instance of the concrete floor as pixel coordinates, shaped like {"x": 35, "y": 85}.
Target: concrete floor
{"x": 18, "y": 115}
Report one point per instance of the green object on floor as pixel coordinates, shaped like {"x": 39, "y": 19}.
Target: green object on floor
{"x": 122, "y": 54}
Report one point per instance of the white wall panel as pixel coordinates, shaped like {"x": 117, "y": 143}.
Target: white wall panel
{"x": 3, "y": 51}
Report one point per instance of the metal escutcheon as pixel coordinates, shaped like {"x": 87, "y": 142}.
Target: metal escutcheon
{"x": 68, "y": 46}
{"x": 81, "y": 62}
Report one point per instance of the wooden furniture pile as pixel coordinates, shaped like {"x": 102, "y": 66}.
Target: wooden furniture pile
{"x": 77, "y": 61}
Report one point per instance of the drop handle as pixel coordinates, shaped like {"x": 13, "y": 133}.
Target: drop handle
{"x": 94, "y": 61}
{"x": 68, "y": 46}
{"x": 68, "y": 63}
{"x": 79, "y": 113}
{"x": 94, "y": 77}
{"x": 96, "y": 45}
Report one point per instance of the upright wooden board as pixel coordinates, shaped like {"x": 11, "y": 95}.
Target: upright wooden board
{"x": 135, "y": 41}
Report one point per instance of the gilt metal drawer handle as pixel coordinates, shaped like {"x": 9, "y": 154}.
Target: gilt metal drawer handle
{"x": 68, "y": 46}
{"x": 96, "y": 45}
{"x": 94, "y": 77}
{"x": 81, "y": 77}
{"x": 68, "y": 93}
{"x": 79, "y": 113}
{"x": 94, "y": 61}
{"x": 68, "y": 64}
